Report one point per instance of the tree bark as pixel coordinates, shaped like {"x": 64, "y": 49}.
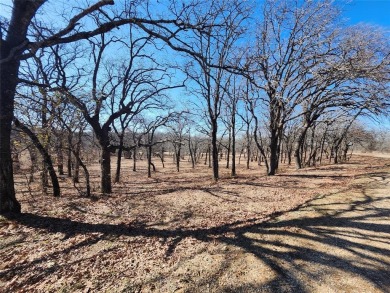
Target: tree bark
{"x": 105, "y": 164}
{"x": 214, "y": 147}
{"x": 228, "y": 149}
{"x": 233, "y": 173}
{"x": 135, "y": 159}
{"x": 274, "y": 156}
{"x": 149, "y": 157}
{"x": 10, "y": 48}
{"x": 298, "y": 147}
{"x": 76, "y": 172}
{"x": 119, "y": 159}
{"x": 69, "y": 161}
{"x": 192, "y": 155}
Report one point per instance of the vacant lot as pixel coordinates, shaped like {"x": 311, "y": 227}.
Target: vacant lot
{"x": 321, "y": 229}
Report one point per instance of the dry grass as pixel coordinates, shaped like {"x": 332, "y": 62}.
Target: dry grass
{"x": 315, "y": 230}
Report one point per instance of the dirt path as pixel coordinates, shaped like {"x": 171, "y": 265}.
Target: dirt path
{"x": 177, "y": 234}
{"x": 335, "y": 243}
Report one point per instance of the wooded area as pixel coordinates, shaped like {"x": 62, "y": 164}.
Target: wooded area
{"x": 103, "y": 99}
{"x": 288, "y": 83}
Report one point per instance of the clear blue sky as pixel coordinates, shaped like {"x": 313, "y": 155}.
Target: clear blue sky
{"x": 375, "y": 12}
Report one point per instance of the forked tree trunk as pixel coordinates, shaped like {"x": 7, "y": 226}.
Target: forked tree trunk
{"x": 299, "y": 147}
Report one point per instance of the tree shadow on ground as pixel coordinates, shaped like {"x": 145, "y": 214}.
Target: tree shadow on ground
{"x": 354, "y": 239}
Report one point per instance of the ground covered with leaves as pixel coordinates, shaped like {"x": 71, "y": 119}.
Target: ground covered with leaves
{"x": 324, "y": 229}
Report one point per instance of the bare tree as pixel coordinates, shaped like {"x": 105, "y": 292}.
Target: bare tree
{"x": 149, "y": 135}
{"x": 119, "y": 93}
{"x": 16, "y": 47}
{"x": 235, "y": 91}
{"x": 291, "y": 37}
{"x": 217, "y": 45}
{"x": 353, "y": 78}
{"x": 177, "y": 136}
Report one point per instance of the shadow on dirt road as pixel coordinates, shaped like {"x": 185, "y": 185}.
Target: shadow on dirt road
{"x": 336, "y": 242}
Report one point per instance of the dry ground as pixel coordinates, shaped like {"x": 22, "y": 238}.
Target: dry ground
{"x": 321, "y": 229}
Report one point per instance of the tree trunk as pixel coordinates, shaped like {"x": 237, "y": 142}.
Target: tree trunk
{"x": 289, "y": 155}
{"x": 248, "y": 146}
{"x": 149, "y": 157}
{"x": 33, "y": 158}
{"x": 273, "y": 146}
{"x": 135, "y": 159}
{"x": 79, "y": 162}
{"x": 336, "y": 155}
{"x": 192, "y": 155}
{"x": 259, "y": 144}
{"x": 312, "y": 147}
{"x": 162, "y": 156}
{"x": 178, "y": 154}
{"x": 239, "y": 157}
{"x": 46, "y": 157}
{"x": 228, "y": 149}
{"x": 76, "y": 173}
{"x": 214, "y": 147}
{"x": 69, "y": 161}
{"x": 281, "y": 154}
{"x": 60, "y": 157}
{"x": 14, "y": 44}
{"x": 233, "y": 148}
{"x": 86, "y": 174}
{"x": 248, "y": 155}
{"x": 299, "y": 146}
{"x": 8, "y": 202}
{"x": 119, "y": 160}
{"x": 323, "y": 144}
{"x": 345, "y": 152}
{"x": 105, "y": 164}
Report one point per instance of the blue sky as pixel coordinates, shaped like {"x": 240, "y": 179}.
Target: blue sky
{"x": 375, "y": 12}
